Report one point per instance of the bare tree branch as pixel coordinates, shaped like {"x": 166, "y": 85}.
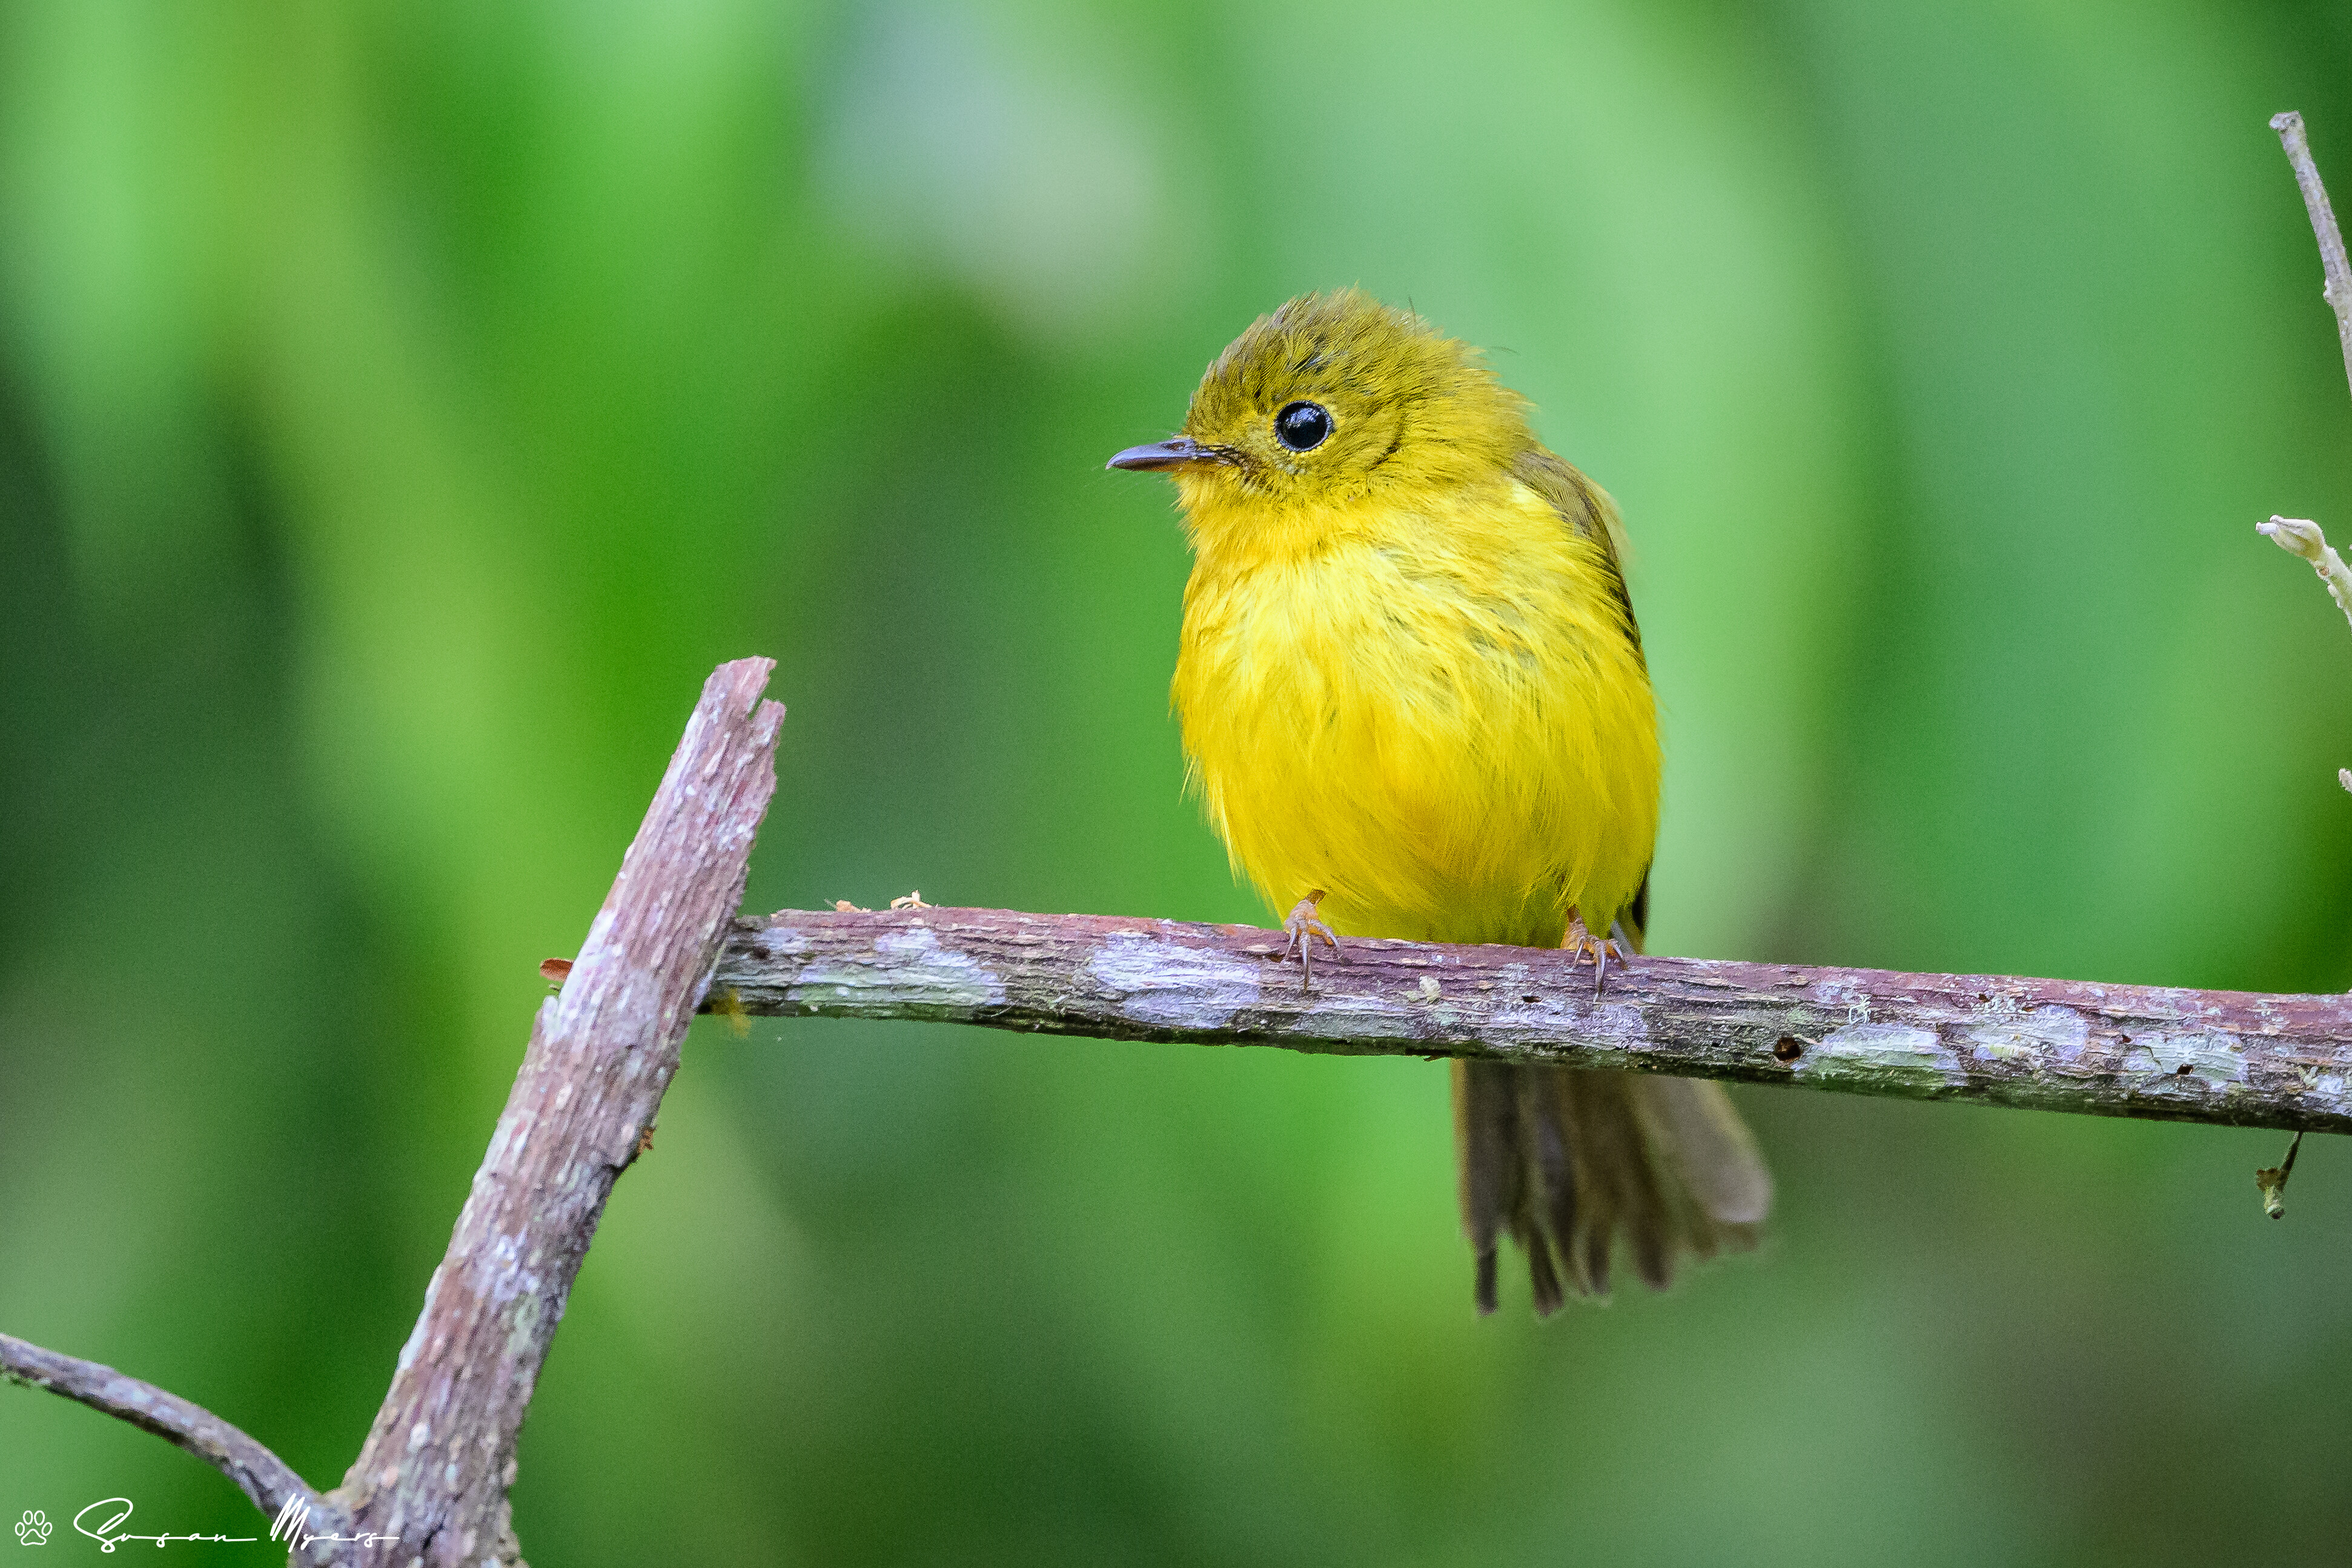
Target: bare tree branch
{"x": 2059, "y": 1045}
{"x": 2337, "y": 290}
{"x": 259, "y": 1473}
{"x": 437, "y": 1463}
{"x": 430, "y": 1486}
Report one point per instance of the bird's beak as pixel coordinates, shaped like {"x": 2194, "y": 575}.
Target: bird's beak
{"x": 1162, "y": 454}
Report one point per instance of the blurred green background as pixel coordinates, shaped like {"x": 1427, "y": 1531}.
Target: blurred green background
{"x": 402, "y": 407}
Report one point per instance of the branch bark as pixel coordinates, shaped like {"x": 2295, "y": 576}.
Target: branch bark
{"x": 259, "y": 1473}
{"x": 2337, "y": 271}
{"x": 2227, "y": 1057}
{"x": 430, "y": 1486}
{"x": 437, "y": 1463}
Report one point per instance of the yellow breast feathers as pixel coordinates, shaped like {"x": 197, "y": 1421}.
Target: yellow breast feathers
{"x": 1408, "y": 674}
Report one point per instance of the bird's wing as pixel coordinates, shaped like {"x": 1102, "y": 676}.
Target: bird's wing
{"x": 1585, "y": 507}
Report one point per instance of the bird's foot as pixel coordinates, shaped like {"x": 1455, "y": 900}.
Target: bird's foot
{"x": 1303, "y": 928}
{"x": 1581, "y": 944}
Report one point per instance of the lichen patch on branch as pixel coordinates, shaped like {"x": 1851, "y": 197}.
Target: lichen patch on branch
{"x": 1161, "y": 982}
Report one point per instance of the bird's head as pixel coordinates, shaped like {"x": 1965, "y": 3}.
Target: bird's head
{"x": 1333, "y": 399}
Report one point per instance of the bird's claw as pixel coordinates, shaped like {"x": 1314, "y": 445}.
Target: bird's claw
{"x": 1303, "y": 928}
{"x": 1581, "y": 944}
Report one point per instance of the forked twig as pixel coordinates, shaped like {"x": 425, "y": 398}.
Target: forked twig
{"x": 2337, "y": 269}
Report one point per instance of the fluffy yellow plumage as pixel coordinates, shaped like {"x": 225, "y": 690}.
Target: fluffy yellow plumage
{"x": 1401, "y": 678}
{"x": 1410, "y": 678}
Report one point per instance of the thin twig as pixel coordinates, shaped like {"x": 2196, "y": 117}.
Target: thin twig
{"x": 259, "y": 1473}
{"x": 2301, "y": 536}
{"x": 2337, "y": 271}
{"x": 2272, "y": 1180}
{"x": 2228, "y": 1057}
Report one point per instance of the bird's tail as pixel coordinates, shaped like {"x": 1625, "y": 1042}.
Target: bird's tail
{"x": 1565, "y": 1160}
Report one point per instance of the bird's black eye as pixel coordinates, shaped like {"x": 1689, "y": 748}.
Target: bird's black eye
{"x": 1303, "y": 426}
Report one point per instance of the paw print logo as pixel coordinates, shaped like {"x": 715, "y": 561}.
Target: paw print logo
{"x": 33, "y": 1530}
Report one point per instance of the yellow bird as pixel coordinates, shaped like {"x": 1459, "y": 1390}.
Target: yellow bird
{"x": 1415, "y": 702}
